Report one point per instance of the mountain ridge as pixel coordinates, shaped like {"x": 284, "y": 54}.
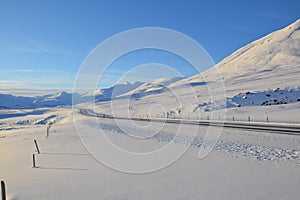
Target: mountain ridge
{"x": 270, "y": 62}
{"x": 275, "y": 56}
{"x": 64, "y": 98}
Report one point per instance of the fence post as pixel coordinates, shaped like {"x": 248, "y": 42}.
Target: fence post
{"x": 48, "y": 127}
{"x": 249, "y": 118}
{"x": 267, "y": 119}
{"x": 33, "y": 160}
{"x": 3, "y": 190}
{"x": 37, "y": 147}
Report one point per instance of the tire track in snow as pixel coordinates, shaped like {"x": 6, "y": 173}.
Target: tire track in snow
{"x": 257, "y": 152}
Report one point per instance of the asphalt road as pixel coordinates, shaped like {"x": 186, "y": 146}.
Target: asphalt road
{"x": 277, "y": 128}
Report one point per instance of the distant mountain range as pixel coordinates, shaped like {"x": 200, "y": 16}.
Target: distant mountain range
{"x": 11, "y": 101}
{"x": 64, "y": 98}
{"x": 250, "y": 74}
{"x": 110, "y": 93}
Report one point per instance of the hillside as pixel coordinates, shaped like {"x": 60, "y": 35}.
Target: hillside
{"x": 267, "y": 63}
{"x": 248, "y": 77}
{"x": 154, "y": 87}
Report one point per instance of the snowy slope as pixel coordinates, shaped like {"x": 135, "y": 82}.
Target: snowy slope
{"x": 277, "y": 52}
{"x": 266, "y": 98}
{"x": 243, "y": 165}
{"x": 154, "y": 87}
{"x": 120, "y": 89}
{"x": 270, "y": 62}
{"x": 111, "y": 92}
{"x": 264, "y": 65}
{"x": 62, "y": 98}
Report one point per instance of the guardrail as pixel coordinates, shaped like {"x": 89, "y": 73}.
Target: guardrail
{"x": 277, "y": 128}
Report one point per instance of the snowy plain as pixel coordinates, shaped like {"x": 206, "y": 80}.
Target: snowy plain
{"x": 243, "y": 165}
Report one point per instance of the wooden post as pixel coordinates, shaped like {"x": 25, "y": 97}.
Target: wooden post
{"x": 33, "y": 160}
{"x": 3, "y": 190}
{"x": 48, "y": 127}
{"x": 37, "y": 147}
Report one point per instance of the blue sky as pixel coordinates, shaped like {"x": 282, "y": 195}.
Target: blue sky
{"x": 43, "y": 43}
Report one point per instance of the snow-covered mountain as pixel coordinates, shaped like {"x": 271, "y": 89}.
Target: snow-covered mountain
{"x": 263, "y": 65}
{"x": 11, "y": 101}
{"x": 59, "y": 99}
{"x": 247, "y": 78}
{"x": 154, "y": 87}
{"x": 64, "y": 98}
{"x": 267, "y": 63}
{"x": 111, "y": 92}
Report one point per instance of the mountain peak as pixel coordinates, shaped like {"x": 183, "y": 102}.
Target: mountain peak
{"x": 295, "y": 25}
{"x": 274, "y": 57}
{"x": 125, "y": 83}
{"x": 272, "y": 50}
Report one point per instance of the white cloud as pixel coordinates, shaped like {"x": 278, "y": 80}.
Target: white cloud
{"x": 39, "y": 71}
{"x": 34, "y": 87}
{"x": 33, "y": 91}
{"x": 30, "y": 45}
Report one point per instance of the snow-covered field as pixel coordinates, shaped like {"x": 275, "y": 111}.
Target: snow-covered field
{"x": 243, "y": 165}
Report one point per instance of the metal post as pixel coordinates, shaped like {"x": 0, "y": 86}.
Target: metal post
{"x": 3, "y": 190}
{"x": 37, "y": 147}
{"x": 33, "y": 160}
